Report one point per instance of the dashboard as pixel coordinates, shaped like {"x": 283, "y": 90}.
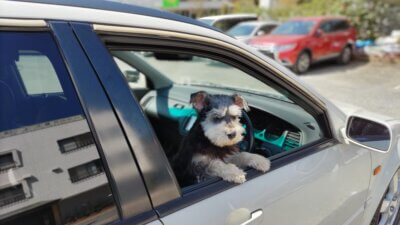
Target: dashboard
{"x": 279, "y": 125}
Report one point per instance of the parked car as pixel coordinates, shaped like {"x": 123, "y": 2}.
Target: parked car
{"x": 246, "y": 30}
{"x": 300, "y": 42}
{"x": 225, "y": 22}
{"x": 95, "y": 101}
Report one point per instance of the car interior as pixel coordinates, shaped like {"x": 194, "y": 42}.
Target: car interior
{"x": 279, "y": 125}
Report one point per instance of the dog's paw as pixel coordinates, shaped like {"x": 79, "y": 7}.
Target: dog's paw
{"x": 260, "y": 163}
{"x": 236, "y": 178}
{"x": 234, "y": 174}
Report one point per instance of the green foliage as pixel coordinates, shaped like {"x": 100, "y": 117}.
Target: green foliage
{"x": 245, "y": 6}
{"x": 368, "y": 16}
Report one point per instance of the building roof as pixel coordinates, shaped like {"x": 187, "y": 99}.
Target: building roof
{"x": 123, "y": 8}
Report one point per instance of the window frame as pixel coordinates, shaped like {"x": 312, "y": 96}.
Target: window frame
{"x": 122, "y": 177}
{"x": 175, "y": 42}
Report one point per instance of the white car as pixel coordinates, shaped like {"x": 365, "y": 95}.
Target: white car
{"x": 225, "y": 22}
{"x": 246, "y": 30}
{"x": 95, "y": 101}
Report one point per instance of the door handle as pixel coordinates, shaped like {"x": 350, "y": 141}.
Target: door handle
{"x": 254, "y": 215}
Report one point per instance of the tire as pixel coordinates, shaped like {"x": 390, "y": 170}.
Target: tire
{"x": 388, "y": 209}
{"x": 345, "y": 56}
{"x": 303, "y": 63}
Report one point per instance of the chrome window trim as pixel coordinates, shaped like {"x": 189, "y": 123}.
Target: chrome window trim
{"x": 22, "y": 23}
{"x": 164, "y": 33}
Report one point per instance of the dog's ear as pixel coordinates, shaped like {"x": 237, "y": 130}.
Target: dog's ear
{"x": 241, "y": 102}
{"x": 199, "y": 100}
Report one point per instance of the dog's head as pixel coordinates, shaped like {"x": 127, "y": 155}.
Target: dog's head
{"x": 220, "y": 117}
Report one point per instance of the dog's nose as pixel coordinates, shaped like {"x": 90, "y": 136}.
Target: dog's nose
{"x": 231, "y": 135}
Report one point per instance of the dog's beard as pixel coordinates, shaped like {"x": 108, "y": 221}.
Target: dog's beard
{"x": 217, "y": 132}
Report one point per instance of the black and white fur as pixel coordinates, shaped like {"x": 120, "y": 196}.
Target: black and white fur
{"x": 211, "y": 147}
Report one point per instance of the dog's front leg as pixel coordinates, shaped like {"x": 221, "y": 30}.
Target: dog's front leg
{"x": 244, "y": 159}
{"x": 227, "y": 171}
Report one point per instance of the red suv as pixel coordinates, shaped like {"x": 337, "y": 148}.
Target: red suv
{"x": 301, "y": 41}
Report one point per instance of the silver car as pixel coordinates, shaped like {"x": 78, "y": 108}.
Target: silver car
{"x": 95, "y": 102}
{"x": 246, "y": 30}
{"x": 225, "y": 22}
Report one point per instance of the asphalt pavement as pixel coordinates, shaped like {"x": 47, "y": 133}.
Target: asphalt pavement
{"x": 371, "y": 85}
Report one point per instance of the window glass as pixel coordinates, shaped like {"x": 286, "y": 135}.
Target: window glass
{"x": 340, "y": 25}
{"x": 37, "y": 73}
{"x": 241, "y": 30}
{"x": 135, "y": 79}
{"x": 295, "y": 27}
{"x": 280, "y": 125}
{"x": 196, "y": 70}
{"x": 326, "y": 27}
{"x": 50, "y": 168}
{"x": 267, "y": 28}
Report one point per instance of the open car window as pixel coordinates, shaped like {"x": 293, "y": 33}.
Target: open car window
{"x": 280, "y": 125}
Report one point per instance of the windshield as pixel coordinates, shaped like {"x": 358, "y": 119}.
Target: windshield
{"x": 194, "y": 70}
{"x": 294, "y": 28}
{"x": 241, "y": 30}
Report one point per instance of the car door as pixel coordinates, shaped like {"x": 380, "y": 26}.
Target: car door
{"x": 322, "y": 43}
{"x": 60, "y": 162}
{"x": 341, "y": 33}
{"x": 314, "y": 184}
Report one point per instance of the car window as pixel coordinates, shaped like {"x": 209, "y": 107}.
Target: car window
{"x": 226, "y": 24}
{"x": 50, "y": 168}
{"x": 241, "y": 30}
{"x": 267, "y": 28}
{"x": 135, "y": 79}
{"x": 280, "y": 125}
{"x": 326, "y": 27}
{"x": 294, "y": 27}
{"x": 340, "y": 25}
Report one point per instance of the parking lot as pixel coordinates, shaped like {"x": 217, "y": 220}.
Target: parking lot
{"x": 371, "y": 85}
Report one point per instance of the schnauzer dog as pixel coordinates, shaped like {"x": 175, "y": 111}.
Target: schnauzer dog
{"x": 211, "y": 147}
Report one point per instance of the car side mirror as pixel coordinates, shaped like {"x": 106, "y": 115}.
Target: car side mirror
{"x": 132, "y": 76}
{"x": 318, "y": 33}
{"x": 369, "y": 134}
{"x": 260, "y": 32}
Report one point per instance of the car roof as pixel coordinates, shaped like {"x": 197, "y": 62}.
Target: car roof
{"x": 318, "y": 18}
{"x": 229, "y": 16}
{"x": 123, "y": 8}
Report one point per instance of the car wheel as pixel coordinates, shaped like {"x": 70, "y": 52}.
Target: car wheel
{"x": 345, "y": 55}
{"x": 303, "y": 63}
{"x": 388, "y": 210}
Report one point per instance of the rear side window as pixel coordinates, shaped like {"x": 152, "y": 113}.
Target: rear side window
{"x": 50, "y": 168}
{"x": 340, "y": 25}
{"x": 326, "y": 27}
{"x": 334, "y": 26}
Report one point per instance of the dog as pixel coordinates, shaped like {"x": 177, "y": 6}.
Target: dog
{"x": 211, "y": 147}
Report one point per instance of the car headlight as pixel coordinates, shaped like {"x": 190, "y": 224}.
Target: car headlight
{"x": 282, "y": 48}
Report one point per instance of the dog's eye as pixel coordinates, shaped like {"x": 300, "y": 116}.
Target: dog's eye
{"x": 234, "y": 117}
{"x": 217, "y": 119}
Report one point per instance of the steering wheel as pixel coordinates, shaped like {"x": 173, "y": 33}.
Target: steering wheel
{"x": 249, "y": 137}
